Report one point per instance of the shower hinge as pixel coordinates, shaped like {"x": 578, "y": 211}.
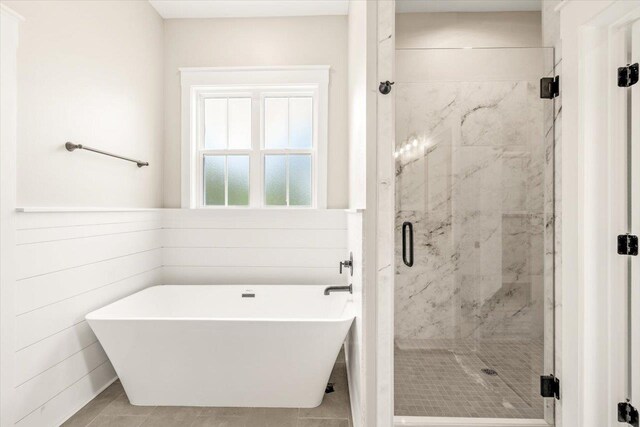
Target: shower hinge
{"x": 549, "y": 386}
{"x": 628, "y": 244}
{"x": 628, "y": 414}
{"x": 628, "y": 75}
{"x": 549, "y": 87}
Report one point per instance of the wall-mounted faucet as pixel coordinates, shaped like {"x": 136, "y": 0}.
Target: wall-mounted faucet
{"x": 347, "y": 263}
{"x": 330, "y": 289}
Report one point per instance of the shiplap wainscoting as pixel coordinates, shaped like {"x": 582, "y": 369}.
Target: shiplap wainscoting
{"x": 254, "y": 247}
{"x": 68, "y": 264}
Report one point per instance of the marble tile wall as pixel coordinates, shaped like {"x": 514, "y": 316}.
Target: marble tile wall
{"x": 470, "y": 176}
{"x": 385, "y": 212}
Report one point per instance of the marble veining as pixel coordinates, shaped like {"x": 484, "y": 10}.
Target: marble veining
{"x": 470, "y": 176}
{"x": 478, "y": 172}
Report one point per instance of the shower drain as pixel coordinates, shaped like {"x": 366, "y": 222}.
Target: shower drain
{"x": 488, "y": 371}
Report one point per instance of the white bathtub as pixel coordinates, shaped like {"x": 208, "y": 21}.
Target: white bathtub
{"x": 210, "y": 346}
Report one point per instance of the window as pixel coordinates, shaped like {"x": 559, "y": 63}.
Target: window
{"x": 254, "y": 137}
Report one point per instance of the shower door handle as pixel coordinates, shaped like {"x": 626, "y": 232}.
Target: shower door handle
{"x": 407, "y": 226}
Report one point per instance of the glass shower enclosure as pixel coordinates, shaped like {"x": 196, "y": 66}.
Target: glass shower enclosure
{"x": 475, "y": 233}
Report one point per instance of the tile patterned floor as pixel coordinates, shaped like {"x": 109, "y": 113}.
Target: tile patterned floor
{"x": 112, "y": 409}
{"x": 444, "y": 378}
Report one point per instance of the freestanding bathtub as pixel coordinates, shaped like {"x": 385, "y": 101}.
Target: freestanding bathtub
{"x": 225, "y": 345}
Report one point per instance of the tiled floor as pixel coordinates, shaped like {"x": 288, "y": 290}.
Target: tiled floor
{"x": 112, "y": 409}
{"x": 444, "y": 378}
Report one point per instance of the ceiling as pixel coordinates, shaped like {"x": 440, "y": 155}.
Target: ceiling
{"x": 412, "y": 6}
{"x": 170, "y": 9}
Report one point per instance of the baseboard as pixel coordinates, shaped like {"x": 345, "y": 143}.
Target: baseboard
{"x": 100, "y": 390}
{"x": 466, "y": 422}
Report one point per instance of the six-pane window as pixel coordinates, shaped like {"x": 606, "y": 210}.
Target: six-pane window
{"x": 281, "y": 153}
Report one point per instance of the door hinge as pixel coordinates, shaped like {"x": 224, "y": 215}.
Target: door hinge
{"x": 549, "y": 87}
{"x": 628, "y": 414}
{"x": 628, "y": 244}
{"x": 628, "y": 75}
{"x": 549, "y": 386}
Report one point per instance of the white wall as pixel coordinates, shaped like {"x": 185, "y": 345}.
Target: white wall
{"x": 257, "y": 42}
{"x": 357, "y": 100}
{"x": 69, "y": 264}
{"x": 9, "y": 28}
{"x": 89, "y": 72}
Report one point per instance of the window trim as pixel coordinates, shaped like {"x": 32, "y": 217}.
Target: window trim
{"x": 199, "y": 83}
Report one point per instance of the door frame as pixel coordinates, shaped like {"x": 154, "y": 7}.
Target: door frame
{"x": 593, "y": 188}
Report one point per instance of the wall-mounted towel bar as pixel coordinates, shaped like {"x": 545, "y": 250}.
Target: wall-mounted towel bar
{"x": 70, "y": 146}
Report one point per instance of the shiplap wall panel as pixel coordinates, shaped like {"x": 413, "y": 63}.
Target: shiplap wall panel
{"x": 39, "y": 235}
{"x": 254, "y": 246}
{"x": 41, "y": 220}
{"x": 51, "y": 319}
{"x": 37, "y": 391}
{"x": 253, "y": 275}
{"x": 37, "y": 358}
{"x": 253, "y": 238}
{"x": 52, "y": 256}
{"x": 252, "y": 219}
{"x": 59, "y": 407}
{"x": 74, "y": 262}
{"x": 71, "y": 263}
{"x": 253, "y": 257}
{"x": 39, "y": 291}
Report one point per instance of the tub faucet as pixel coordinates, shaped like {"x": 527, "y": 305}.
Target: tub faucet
{"x": 330, "y": 289}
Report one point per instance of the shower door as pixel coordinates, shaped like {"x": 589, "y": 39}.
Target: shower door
{"x": 475, "y": 232}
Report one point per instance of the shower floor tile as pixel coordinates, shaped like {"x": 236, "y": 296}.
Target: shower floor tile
{"x": 445, "y": 378}
{"x": 112, "y": 408}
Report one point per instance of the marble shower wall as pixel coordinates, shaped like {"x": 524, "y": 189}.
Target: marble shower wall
{"x": 470, "y": 176}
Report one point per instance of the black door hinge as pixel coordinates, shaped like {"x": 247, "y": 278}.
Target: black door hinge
{"x": 549, "y": 87}
{"x": 549, "y": 386}
{"x": 628, "y": 76}
{"x": 628, "y": 414}
{"x": 628, "y": 244}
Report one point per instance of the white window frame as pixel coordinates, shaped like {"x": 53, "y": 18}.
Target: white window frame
{"x": 258, "y": 83}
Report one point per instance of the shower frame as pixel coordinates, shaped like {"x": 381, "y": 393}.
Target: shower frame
{"x": 590, "y": 330}
{"x": 385, "y": 229}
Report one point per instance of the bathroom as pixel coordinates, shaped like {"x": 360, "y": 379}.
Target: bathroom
{"x": 316, "y": 213}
